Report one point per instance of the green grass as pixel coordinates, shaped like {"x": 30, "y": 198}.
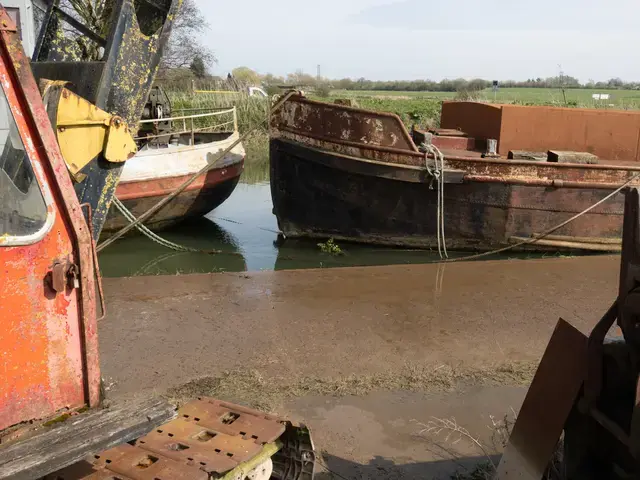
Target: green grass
{"x": 424, "y": 112}
{"x": 390, "y": 94}
{"x": 619, "y": 98}
{"x": 423, "y": 108}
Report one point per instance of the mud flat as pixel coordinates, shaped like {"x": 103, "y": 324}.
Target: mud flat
{"x": 366, "y": 356}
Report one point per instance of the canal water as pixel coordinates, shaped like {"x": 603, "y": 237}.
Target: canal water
{"x": 245, "y": 230}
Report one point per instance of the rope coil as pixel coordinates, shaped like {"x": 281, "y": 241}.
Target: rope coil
{"x": 437, "y": 172}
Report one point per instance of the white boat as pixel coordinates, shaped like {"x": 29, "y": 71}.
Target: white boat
{"x": 160, "y": 168}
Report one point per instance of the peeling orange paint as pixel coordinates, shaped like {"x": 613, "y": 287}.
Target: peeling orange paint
{"x": 48, "y": 343}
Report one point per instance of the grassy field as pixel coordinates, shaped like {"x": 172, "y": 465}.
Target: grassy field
{"x": 423, "y": 108}
{"x": 537, "y": 96}
{"x": 414, "y": 108}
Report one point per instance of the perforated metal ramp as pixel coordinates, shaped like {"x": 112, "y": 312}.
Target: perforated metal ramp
{"x": 208, "y": 439}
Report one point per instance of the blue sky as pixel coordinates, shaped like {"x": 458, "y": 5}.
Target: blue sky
{"x": 411, "y": 39}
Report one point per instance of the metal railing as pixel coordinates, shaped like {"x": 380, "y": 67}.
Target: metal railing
{"x": 193, "y": 121}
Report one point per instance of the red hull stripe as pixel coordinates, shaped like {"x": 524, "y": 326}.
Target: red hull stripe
{"x": 157, "y": 187}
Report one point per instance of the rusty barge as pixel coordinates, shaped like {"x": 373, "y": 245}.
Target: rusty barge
{"x": 356, "y": 175}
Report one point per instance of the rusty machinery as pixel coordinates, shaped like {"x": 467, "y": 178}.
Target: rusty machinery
{"x": 51, "y": 400}
{"x": 112, "y": 64}
{"x": 586, "y": 392}
{"x": 158, "y": 106}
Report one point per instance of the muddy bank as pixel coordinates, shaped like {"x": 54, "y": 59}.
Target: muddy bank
{"x": 404, "y": 435}
{"x": 369, "y": 358}
{"x": 328, "y": 325}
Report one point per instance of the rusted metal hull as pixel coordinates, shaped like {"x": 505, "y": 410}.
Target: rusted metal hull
{"x": 314, "y": 200}
{"x": 206, "y": 193}
{"x": 351, "y": 174}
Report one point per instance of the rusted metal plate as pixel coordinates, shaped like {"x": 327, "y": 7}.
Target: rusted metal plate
{"x": 347, "y": 124}
{"x": 139, "y": 464}
{"x": 233, "y": 420}
{"x": 449, "y": 132}
{"x": 106, "y": 475}
{"x": 546, "y": 407}
{"x": 445, "y": 142}
{"x": 609, "y": 134}
{"x": 85, "y": 470}
{"x": 186, "y": 441}
{"x": 209, "y": 438}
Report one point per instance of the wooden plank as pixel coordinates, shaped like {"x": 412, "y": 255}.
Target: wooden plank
{"x": 527, "y": 155}
{"x": 559, "y": 156}
{"x": 546, "y": 407}
{"x": 80, "y": 436}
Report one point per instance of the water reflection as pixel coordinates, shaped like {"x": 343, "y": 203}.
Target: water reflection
{"x": 245, "y": 229}
{"x": 137, "y": 255}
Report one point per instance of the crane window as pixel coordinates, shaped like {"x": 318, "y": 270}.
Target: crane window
{"x": 23, "y": 211}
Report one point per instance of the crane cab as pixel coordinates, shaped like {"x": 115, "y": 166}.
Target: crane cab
{"x": 48, "y": 344}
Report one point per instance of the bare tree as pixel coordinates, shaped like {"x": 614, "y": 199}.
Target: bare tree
{"x": 184, "y": 46}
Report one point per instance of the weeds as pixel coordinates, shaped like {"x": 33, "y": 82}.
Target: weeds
{"x": 424, "y": 112}
{"x": 252, "y": 112}
{"x": 330, "y": 247}
{"x": 251, "y": 388}
{"x": 452, "y": 433}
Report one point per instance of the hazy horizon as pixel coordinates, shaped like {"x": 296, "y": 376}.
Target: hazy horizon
{"x": 419, "y": 39}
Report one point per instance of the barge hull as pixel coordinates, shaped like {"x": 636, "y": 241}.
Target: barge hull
{"x": 317, "y": 194}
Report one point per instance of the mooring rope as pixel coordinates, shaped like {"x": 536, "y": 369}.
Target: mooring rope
{"x": 544, "y": 234}
{"x": 157, "y": 238}
{"x": 438, "y": 174}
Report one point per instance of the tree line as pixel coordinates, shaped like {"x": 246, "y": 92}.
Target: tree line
{"x": 448, "y": 85}
{"x": 248, "y": 76}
